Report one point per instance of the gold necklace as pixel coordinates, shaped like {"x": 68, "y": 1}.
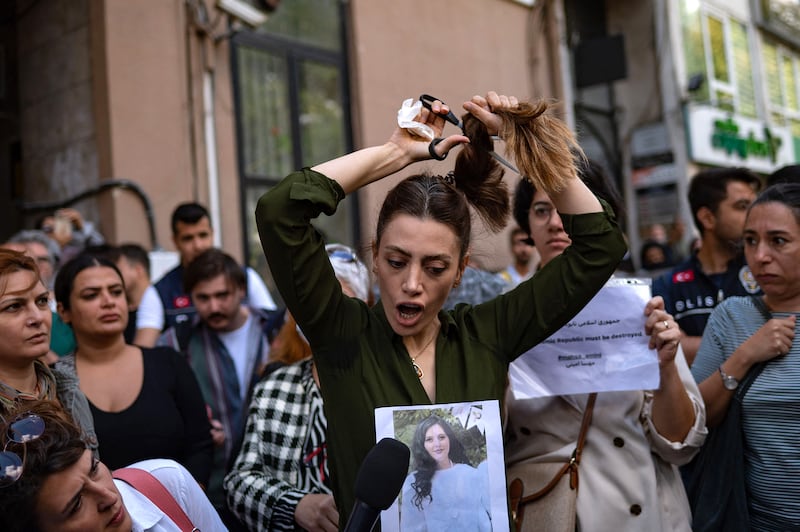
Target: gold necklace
{"x": 414, "y": 365}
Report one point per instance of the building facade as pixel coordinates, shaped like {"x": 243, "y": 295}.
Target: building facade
{"x": 137, "y": 106}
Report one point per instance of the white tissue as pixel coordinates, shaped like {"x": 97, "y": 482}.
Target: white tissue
{"x": 405, "y": 119}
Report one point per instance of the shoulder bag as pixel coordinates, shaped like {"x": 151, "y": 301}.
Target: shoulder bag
{"x": 544, "y": 496}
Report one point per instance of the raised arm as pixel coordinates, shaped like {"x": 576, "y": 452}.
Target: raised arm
{"x": 673, "y": 412}
{"x": 360, "y": 168}
{"x": 568, "y": 193}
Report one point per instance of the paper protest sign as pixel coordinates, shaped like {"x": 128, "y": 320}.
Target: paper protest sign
{"x": 603, "y": 348}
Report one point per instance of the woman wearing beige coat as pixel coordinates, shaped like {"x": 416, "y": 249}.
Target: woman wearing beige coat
{"x": 629, "y": 478}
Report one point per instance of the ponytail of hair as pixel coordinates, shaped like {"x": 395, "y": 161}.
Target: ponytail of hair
{"x": 478, "y": 175}
{"x": 543, "y": 147}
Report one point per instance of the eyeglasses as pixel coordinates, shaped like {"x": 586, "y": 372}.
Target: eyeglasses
{"x": 25, "y": 428}
{"x": 542, "y": 212}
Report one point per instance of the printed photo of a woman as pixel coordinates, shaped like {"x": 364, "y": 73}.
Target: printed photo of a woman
{"x": 444, "y": 491}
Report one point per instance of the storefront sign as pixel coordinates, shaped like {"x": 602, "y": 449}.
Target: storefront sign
{"x": 724, "y": 139}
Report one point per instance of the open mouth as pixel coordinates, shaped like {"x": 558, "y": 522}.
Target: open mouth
{"x": 408, "y": 312}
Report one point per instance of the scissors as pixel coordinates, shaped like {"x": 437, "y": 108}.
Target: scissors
{"x": 427, "y": 101}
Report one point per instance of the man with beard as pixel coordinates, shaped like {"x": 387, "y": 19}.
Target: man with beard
{"x": 227, "y": 344}
{"x": 719, "y": 199}
{"x": 192, "y": 234}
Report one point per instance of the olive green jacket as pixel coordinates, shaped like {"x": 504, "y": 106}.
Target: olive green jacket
{"x": 363, "y": 364}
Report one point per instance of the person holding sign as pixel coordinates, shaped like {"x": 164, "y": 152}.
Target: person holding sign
{"x": 629, "y": 479}
{"x": 406, "y": 350}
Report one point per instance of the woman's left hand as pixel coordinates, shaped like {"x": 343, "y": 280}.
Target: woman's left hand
{"x": 663, "y": 330}
{"x": 485, "y": 107}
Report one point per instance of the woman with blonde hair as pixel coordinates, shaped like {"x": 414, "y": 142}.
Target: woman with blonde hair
{"x": 25, "y": 322}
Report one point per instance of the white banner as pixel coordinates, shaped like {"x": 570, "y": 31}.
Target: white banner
{"x": 603, "y": 348}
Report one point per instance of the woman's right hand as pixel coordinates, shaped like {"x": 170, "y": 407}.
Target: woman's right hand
{"x": 416, "y": 147}
{"x": 771, "y": 340}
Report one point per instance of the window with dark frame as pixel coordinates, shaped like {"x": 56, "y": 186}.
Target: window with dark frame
{"x": 292, "y": 110}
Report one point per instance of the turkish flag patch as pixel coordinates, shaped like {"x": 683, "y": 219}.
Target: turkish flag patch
{"x": 181, "y": 302}
{"x": 685, "y": 276}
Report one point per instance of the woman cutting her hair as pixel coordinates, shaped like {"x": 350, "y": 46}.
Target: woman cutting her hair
{"x": 406, "y": 350}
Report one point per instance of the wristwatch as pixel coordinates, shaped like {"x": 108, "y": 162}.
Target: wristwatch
{"x": 728, "y": 381}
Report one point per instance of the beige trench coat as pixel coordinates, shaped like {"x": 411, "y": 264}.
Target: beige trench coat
{"x": 629, "y": 479}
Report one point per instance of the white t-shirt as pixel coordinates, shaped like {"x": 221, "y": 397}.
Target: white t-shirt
{"x": 150, "y": 314}
{"x": 151, "y": 308}
{"x": 147, "y": 517}
{"x": 257, "y": 294}
{"x": 236, "y": 344}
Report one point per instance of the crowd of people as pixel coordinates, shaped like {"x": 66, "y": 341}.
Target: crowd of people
{"x": 118, "y": 391}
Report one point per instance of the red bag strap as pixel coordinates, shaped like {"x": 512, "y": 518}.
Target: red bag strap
{"x": 153, "y": 489}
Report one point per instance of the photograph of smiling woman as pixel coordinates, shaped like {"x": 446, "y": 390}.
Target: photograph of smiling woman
{"x": 459, "y": 497}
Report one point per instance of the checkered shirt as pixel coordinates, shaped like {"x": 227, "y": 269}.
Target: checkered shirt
{"x": 273, "y": 470}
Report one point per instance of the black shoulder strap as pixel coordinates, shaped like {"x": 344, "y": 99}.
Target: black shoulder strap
{"x": 759, "y": 303}
{"x": 756, "y": 369}
{"x": 183, "y": 332}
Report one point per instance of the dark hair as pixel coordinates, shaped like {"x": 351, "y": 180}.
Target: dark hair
{"x": 665, "y": 251}
{"x": 709, "y": 188}
{"x": 59, "y": 447}
{"x": 105, "y": 250}
{"x": 786, "y": 174}
{"x": 477, "y": 179}
{"x": 787, "y": 194}
{"x": 135, "y": 254}
{"x": 541, "y": 145}
{"x": 516, "y": 230}
{"x": 65, "y": 280}
{"x": 211, "y": 263}
{"x": 188, "y": 213}
{"x": 591, "y": 173}
{"x": 15, "y": 261}
{"x": 424, "y": 464}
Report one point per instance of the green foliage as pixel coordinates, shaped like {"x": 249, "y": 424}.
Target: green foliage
{"x": 406, "y": 421}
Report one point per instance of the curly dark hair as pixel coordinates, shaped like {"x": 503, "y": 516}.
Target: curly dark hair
{"x": 57, "y": 449}
{"x": 424, "y": 464}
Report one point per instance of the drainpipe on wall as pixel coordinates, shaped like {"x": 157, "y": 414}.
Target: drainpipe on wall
{"x": 209, "y": 130}
{"x": 566, "y": 64}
